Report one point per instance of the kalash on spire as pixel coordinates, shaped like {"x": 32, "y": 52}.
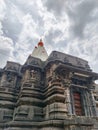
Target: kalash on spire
{"x": 39, "y": 51}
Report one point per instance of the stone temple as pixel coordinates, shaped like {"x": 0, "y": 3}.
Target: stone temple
{"x": 52, "y": 92}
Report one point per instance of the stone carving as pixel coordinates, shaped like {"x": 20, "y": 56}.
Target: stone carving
{"x": 50, "y": 71}
{"x": 55, "y": 55}
{"x": 26, "y": 75}
{"x": 34, "y": 62}
{"x": 33, "y": 74}
{"x": 68, "y": 100}
{"x": 11, "y": 68}
{"x": 3, "y": 79}
{"x": 10, "y": 78}
{"x": 22, "y": 110}
{"x": 56, "y": 76}
{"x": 26, "y": 112}
{"x": 66, "y": 60}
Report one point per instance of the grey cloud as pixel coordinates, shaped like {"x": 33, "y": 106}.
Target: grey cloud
{"x": 4, "y": 55}
{"x": 9, "y": 28}
{"x": 14, "y": 22}
{"x": 81, "y": 16}
{"x": 11, "y": 24}
{"x": 29, "y": 7}
{"x": 57, "y": 7}
{"x": 6, "y": 50}
{"x": 51, "y": 36}
{"x": 55, "y": 41}
{"x": 79, "y": 13}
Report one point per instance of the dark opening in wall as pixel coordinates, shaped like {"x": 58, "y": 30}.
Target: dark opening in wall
{"x": 77, "y": 103}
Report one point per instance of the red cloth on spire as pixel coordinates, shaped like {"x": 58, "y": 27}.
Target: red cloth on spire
{"x": 40, "y": 43}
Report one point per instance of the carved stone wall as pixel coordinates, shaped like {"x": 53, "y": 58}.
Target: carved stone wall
{"x": 9, "y": 89}
{"x": 29, "y": 96}
{"x": 45, "y": 97}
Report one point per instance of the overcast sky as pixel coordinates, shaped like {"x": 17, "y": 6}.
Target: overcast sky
{"x": 69, "y": 26}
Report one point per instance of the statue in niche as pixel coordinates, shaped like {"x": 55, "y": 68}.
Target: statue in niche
{"x": 10, "y": 78}
{"x": 33, "y": 74}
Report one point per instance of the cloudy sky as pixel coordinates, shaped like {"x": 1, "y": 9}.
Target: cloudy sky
{"x": 69, "y": 26}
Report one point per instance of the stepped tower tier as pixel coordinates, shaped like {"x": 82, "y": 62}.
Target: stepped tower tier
{"x": 30, "y": 102}
{"x": 9, "y": 89}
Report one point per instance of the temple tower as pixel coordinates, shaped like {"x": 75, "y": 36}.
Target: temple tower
{"x": 52, "y": 92}
{"x": 9, "y": 89}
{"x": 29, "y": 104}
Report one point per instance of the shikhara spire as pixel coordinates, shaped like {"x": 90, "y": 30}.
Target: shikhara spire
{"x": 39, "y": 51}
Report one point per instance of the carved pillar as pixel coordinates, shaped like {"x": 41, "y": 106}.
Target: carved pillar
{"x": 68, "y": 101}
{"x": 47, "y": 112}
{"x": 86, "y": 103}
{"x": 93, "y": 105}
{"x": 68, "y": 94}
{"x": 89, "y": 105}
{"x": 27, "y": 75}
{"x": 72, "y": 101}
{"x": 90, "y": 96}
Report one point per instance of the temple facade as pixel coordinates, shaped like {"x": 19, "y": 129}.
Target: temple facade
{"x": 52, "y": 92}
